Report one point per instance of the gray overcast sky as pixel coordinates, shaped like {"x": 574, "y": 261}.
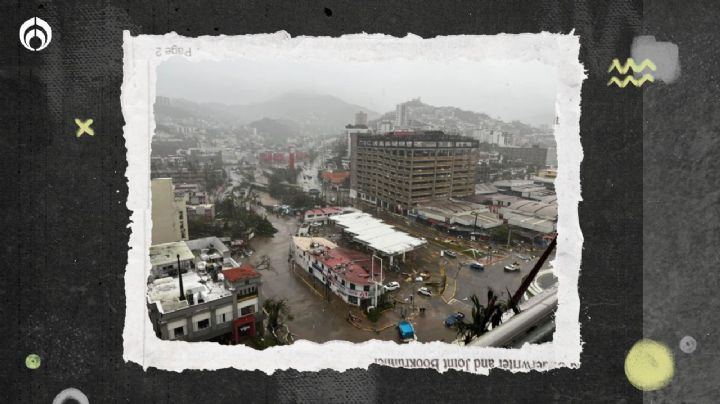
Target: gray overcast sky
{"x": 523, "y": 91}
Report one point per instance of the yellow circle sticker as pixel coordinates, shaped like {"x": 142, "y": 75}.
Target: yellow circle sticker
{"x": 32, "y": 361}
{"x": 649, "y": 365}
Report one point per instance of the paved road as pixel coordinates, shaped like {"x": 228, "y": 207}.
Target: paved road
{"x": 318, "y": 320}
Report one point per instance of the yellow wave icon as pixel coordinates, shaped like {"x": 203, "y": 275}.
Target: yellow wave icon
{"x": 630, "y": 64}
{"x": 631, "y": 79}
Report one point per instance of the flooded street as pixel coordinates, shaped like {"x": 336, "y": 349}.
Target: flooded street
{"x": 320, "y": 318}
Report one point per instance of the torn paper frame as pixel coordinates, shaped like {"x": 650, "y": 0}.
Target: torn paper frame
{"x": 143, "y": 54}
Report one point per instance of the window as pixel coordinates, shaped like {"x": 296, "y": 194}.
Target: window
{"x": 222, "y": 318}
{"x": 203, "y": 324}
{"x": 366, "y": 288}
{"x": 342, "y": 282}
{"x": 352, "y": 299}
{"x": 352, "y": 286}
{"x": 247, "y": 310}
{"x": 178, "y": 332}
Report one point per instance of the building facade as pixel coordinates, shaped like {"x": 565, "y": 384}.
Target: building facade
{"x": 348, "y": 274}
{"x": 169, "y": 213}
{"x": 402, "y": 117}
{"x": 361, "y": 118}
{"x": 534, "y": 156}
{"x": 205, "y": 303}
{"x": 399, "y": 170}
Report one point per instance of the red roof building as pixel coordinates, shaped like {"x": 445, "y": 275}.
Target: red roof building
{"x": 347, "y": 273}
{"x": 335, "y": 177}
{"x": 242, "y": 273}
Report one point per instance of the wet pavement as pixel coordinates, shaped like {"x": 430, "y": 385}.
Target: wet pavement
{"x": 318, "y": 319}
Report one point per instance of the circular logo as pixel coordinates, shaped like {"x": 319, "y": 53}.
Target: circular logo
{"x": 35, "y": 34}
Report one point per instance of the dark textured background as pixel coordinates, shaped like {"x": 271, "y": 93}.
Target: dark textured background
{"x": 65, "y": 221}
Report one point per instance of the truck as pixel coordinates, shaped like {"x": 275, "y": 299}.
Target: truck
{"x": 406, "y": 331}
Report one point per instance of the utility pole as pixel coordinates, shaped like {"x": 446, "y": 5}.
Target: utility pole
{"x": 533, "y": 272}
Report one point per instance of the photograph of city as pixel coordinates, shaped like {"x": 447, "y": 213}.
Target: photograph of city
{"x": 405, "y": 201}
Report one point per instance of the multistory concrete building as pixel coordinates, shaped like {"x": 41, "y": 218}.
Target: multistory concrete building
{"x": 361, "y": 118}
{"x": 401, "y": 115}
{"x": 169, "y": 214}
{"x": 400, "y": 170}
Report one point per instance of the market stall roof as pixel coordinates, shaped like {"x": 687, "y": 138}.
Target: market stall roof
{"x": 376, "y": 234}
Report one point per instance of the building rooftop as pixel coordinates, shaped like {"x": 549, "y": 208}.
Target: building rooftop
{"x": 323, "y": 211}
{"x": 165, "y": 292}
{"x": 506, "y": 198}
{"x": 512, "y": 183}
{"x": 335, "y": 177}
{"x": 243, "y": 272}
{"x": 353, "y": 266}
{"x": 452, "y": 206}
{"x": 485, "y": 189}
{"x": 538, "y": 209}
{"x": 166, "y": 253}
{"x": 199, "y": 244}
{"x": 376, "y": 234}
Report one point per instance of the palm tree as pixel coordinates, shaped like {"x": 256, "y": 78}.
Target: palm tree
{"x": 481, "y": 317}
{"x": 492, "y": 314}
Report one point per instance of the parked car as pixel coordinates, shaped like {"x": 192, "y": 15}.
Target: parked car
{"x": 512, "y": 268}
{"x": 425, "y": 291}
{"x": 392, "y": 286}
{"x": 477, "y": 266}
{"x": 453, "y": 318}
{"x": 451, "y": 253}
{"x": 406, "y": 331}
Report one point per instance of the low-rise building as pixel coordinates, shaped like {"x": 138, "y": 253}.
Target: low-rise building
{"x": 457, "y": 215}
{"x": 320, "y": 215}
{"x": 204, "y": 211}
{"x": 349, "y": 274}
{"x": 521, "y": 188}
{"x": 537, "y": 217}
{"x": 209, "y": 249}
{"x": 166, "y": 258}
{"x": 534, "y": 156}
{"x": 199, "y": 306}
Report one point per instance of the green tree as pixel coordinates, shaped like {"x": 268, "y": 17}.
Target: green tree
{"x": 500, "y": 234}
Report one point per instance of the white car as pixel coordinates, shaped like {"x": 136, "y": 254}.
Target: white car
{"x": 392, "y": 286}
{"x": 424, "y": 291}
{"x": 512, "y": 268}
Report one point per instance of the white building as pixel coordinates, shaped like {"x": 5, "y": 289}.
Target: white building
{"x": 402, "y": 118}
{"x": 351, "y": 275}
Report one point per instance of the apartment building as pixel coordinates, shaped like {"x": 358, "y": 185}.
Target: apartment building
{"x": 169, "y": 213}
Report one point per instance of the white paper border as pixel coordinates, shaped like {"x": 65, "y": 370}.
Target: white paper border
{"x": 142, "y": 55}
